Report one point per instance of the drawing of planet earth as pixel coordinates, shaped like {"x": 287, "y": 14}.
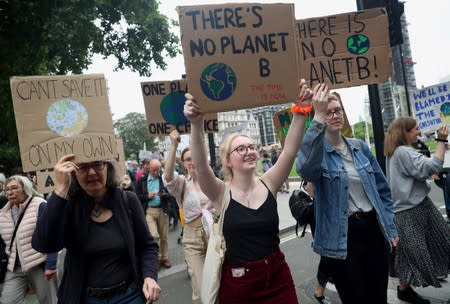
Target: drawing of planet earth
{"x": 218, "y": 81}
{"x": 445, "y": 112}
{"x": 67, "y": 117}
{"x": 358, "y": 44}
{"x": 171, "y": 108}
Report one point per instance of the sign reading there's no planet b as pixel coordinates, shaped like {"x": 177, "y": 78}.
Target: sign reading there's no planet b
{"x": 239, "y": 55}
{"x": 345, "y": 50}
{"x": 59, "y": 115}
{"x": 432, "y": 106}
{"x": 164, "y": 103}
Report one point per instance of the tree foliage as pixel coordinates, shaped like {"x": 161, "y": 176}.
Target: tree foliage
{"x": 359, "y": 130}
{"x": 132, "y": 128}
{"x": 39, "y": 37}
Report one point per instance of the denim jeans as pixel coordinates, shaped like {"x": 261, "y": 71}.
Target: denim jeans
{"x": 131, "y": 296}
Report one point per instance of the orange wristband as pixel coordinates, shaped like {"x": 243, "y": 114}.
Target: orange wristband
{"x": 301, "y": 109}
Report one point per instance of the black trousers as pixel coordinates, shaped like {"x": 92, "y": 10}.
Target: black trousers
{"x": 363, "y": 276}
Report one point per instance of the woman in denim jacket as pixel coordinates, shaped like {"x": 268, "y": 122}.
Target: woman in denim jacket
{"x": 353, "y": 209}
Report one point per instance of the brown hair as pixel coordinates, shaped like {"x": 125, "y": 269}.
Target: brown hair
{"x": 187, "y": 149}
{"x": 397, "y": 134}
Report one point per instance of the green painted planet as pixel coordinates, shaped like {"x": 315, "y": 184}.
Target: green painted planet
{"x": 358, "y": 44}
{"x": 171, "y": 108}
{"x": 218, "y": 81}
{"x": 67, "y": 117}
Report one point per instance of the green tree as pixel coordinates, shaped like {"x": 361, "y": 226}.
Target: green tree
{"x": 40, "y": 37}
{"x": 132, "y": 128}
{"x": 359, "y": 130}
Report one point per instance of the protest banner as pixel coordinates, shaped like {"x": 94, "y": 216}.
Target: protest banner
{"x": 345, "y": 50}
{"x": 59, "y": 115}
{"x": 239, "y": 55}
{"x": 164, "y": 102}
{"x": 282, "y": 120}
{"x": 45, "y": 178}
{"x": 431, "y": 106}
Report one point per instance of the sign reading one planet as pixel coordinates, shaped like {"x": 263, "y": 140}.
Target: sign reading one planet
{"x": 59, "y": 115}
{"x": 345, "y": 50}
{"x": 164, "y": 104}
{"x": 239, "y": 55}
{"x": 431, "y": 106}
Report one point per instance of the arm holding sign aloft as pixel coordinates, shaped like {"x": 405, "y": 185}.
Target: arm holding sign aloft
{"x": 211, "y": 186}
{"x": 170, "y": 161}
{"x": 278, "y": 173}
{"x": 442, "y": 135}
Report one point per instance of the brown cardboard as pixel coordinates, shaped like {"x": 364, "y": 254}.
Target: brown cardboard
{"x": 164, "y": 102}
{"x": 45, "y": 178}
{"x": 38, "y": 99}
{"x": 232, "y": 35}
{"x": 323, "y": 43}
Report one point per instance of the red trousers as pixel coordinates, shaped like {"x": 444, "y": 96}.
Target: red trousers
{"x": 268, "y": 280}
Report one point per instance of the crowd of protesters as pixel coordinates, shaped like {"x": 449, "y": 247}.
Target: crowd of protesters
{"x": 112, "y": 231}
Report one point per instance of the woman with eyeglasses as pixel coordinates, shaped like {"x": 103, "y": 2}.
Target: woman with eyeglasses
{"x": 195, "y": 204}
{"x": 254, "y": 269}
{"x": 26, "y": 266}
{"x": 111, "y": 256}
{"x": 353, "y": 207}
{"x": 423, "y": 254}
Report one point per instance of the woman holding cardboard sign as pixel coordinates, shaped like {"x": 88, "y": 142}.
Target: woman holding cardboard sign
{"x": 111, "y": 255}
{"x": 254, "y": 269}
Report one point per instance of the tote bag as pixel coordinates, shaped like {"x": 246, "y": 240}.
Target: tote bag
{"x": 215, "y": 254}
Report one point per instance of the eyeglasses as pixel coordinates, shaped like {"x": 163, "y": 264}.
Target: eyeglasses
{"x": 12, "y": 188}
{"x": 243, "y": 149}
{"x": 97, "y": 166}
{"x": 337, "y": 111}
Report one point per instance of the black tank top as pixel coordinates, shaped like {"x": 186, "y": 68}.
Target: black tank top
{"x": 251, "y": 234}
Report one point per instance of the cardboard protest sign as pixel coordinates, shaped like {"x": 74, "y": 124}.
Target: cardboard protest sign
{"x": 45, "y": 179}
{"x": 282, "y": 120}
{"x": 164, "y": 102}
{"x": 239, "y": 55}
{"x": 432, "y": 106}
{"x": 58, "y": 115}
{"x": 345, "y": 50}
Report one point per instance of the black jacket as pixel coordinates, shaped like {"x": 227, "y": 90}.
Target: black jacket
{"x": 65, "y": 224}
{"x": 142, "y": 193}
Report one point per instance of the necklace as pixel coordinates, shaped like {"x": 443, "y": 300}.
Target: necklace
{"x": 96, "y": 212}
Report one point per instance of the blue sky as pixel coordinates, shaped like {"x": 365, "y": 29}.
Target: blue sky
{"x": 428, "y": 30}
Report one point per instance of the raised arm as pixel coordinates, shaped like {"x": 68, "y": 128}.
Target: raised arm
{"x": 170, "y": 161}
{"x": 211, "y": 186}
{"x": 277, "y": 174}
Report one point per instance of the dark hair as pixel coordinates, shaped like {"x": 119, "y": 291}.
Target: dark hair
{"x": 187, "y": 149}
{"x": 112, "y": 180}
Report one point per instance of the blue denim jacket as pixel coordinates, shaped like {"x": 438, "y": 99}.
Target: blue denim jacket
{"x": 319, "y": 162}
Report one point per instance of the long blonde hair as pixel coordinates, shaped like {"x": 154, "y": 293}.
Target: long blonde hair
{"x": 397, "y": 134}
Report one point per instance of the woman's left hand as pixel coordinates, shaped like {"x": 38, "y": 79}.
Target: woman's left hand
{"x": 305, "y": 94}
{"x": 394, "y": 241}
{"x": 49, "y": 273}
{"x": 151, "y": 290}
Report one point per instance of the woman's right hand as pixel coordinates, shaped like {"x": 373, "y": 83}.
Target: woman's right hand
{"x": 63, "y": 174}
{"x": 192, "y": 110}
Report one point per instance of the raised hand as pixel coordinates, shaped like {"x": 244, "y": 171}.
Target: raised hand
{"x": 443, "y": 132}
{"x": 321, "y": 92}
{"x": 63, "y": 174}
{"x": 175, "y": 137}
{"x": 305, "y": 95}
{"x": 192, "y": 109}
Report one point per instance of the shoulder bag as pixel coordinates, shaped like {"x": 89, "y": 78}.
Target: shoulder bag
{"x": 215, "y": 254}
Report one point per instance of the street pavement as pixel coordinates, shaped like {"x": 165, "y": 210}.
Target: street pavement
{"x": 176, "y": 288}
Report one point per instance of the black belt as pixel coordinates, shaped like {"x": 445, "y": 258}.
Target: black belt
{"x": 107, "y": 292}
{"x": 358, "y": 215}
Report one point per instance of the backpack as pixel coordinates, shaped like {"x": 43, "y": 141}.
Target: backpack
{"x": 302, "y": 209}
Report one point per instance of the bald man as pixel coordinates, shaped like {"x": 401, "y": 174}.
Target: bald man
{"x": 153, "y": 196}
